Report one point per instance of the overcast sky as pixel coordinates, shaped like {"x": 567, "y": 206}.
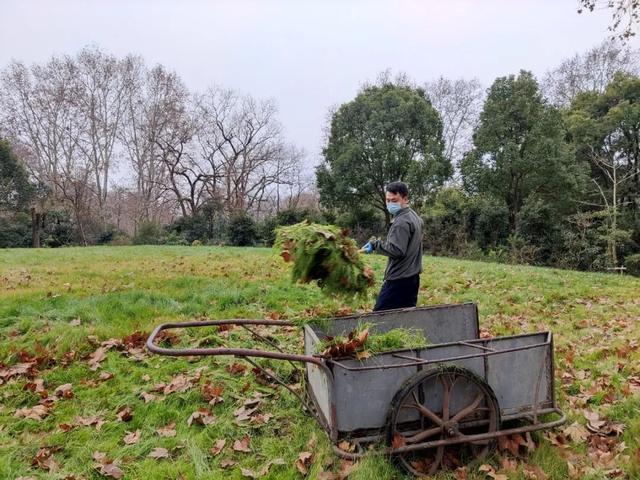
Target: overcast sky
{"x": 307, "y": 55}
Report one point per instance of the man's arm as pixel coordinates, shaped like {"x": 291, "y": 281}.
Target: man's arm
{"x": 395, "y": 246}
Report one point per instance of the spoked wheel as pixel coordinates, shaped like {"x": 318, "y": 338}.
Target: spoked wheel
{"x": 440, "y": 404}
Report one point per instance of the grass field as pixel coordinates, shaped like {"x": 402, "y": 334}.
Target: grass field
{"x": 122, "y": 410}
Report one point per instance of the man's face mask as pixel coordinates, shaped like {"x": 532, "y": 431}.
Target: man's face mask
{"x": 393, "y": 207}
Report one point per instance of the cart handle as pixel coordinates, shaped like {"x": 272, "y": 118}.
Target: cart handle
{"x": 221, "y": 351}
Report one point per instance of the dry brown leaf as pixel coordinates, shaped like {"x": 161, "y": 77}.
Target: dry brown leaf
{"x": 534, "y": 472}
{"x": 45, "y": 461}
{"x": 303, "y": 462}
{"x": 227, "y": 462}
{"x": 201, "y": 416}
{"x": 64, "y": 391}
{"x": 212, "y": 393}
{"x": 576, "y": 432}
{"x": 106, "y": 466}
{"x": 248, "y": 473}
{"x": 132, "y": 437}
{"x": 168, "y": 430}
{"x": 489, "y": 471}
{"x": 37, "y": 412}
{"x": 147, "y": 397}
{"x": 88, "y": 421}
{"x": 125, "y": 414}
{"x": 236, "y": 368}
{"x": 242, "y": 445}
{"x": 218, "y": 445}
{"x": 97, "y": 357}
{"x": 159, "y": 452}
{"x": 461, "y": 473}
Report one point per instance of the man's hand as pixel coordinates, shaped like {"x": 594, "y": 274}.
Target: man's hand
{"x": 367, "y": 248}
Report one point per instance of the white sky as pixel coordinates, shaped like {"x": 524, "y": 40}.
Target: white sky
{"x": 307, "y": 55}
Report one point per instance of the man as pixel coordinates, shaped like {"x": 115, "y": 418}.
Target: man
{"x": 403, "y": 246}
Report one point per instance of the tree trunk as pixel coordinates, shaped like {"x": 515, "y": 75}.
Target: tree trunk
{"x": 36, "y": 222}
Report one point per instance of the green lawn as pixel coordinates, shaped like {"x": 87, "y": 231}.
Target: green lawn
{"x": 58, "y": 306}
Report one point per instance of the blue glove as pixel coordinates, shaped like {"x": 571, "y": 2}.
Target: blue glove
{"x": 368, "y": 248}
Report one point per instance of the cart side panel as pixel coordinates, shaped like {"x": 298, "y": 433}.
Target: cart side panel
{"x": 363, "y": 397}
{"x": 317, "y": 379}
{"x": 515, "y": 376}
{"x": 445, "y": 352}
{"x": 440, "y": 324}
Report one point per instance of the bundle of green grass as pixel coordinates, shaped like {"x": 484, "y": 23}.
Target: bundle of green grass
{"x": 326, "y": 254}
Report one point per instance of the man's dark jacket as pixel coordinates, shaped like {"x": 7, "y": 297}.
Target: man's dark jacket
{"x": 403, "y": 246}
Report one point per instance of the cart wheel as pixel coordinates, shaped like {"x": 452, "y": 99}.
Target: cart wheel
{"x": 438, "y": 404}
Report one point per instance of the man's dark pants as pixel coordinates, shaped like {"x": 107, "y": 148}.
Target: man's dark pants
{"x": 400, "y": 293}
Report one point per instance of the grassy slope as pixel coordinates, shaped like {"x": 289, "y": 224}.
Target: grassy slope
{"x": 116, "y": 291}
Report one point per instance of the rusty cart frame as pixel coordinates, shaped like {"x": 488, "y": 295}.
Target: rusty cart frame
{"x": 430, "y": 406}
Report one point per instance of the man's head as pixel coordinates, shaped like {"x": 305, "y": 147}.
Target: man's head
{"x": 397, "y": 192}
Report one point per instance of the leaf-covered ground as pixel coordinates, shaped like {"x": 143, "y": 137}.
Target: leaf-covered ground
{"x": 81, "y": 398}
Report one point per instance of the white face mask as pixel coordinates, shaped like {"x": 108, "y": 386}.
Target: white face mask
{"x": 393, "y": 207}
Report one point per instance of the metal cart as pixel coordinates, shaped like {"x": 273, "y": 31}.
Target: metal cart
{"x": 435, "y": 407}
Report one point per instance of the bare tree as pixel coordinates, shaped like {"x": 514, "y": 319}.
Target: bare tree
{"x": 241, "y": 140}
{"x": 41, "y": 117}
{"x": 155, "y": 100}
{"x": 459, "y": 103}
{"x": 101, "y": 98}
{"x": 625, "y": 16}
{"x": 591, "y": 71}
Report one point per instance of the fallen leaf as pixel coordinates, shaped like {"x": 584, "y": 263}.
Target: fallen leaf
{"x": 227, "y": 462}
{"x": 248, "y": 473}
{"x": 37, "y": 412}
{"x": 397, "y": 441}
{"x": 168, "y": 430}
{"x": 159, "y": 452}
{"x": 303, "y": 462}
{"x": 64, "y": 391}
{"x": 242, "y": 445}
{"x": 461, "y": 473}
{"x": 147, "y": 397}
{"x": 125, "y": 414}
{"x": 45, "y": 461}
{"x": 576, "y": 432}
{"x": 236, "y": 368}
{"x": 106, "y": 466}
{"x": 88, "y": 421}
{"x": 201, "y": 416}
{"x": 132, "y": 437}
{"x": 212, "y": 393}
{"x": 218, "y": 445}
{"x": 97, "y": 357}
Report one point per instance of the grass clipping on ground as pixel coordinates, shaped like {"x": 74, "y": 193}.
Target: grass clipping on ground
{"x": 324, "y": 253}
{"x": 361, "y": 343}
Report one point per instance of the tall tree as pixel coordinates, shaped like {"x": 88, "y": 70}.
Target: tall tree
{"x": 15, "y": 188}
{"x": 606, "y": 130}
{"x": 155, "y": 101}
{"x": 520, "y": 149}
{"x": 591, "y": 71}
{"x": 459, "y": 103}
{"x": 625, "y": 16}
{"x": 390, "y": 131}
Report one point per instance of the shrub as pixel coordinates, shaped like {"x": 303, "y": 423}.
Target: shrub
{"x": 242, "y": 231}
{"x": 121, "y": 241}
{"x": 632, "y": 262}
{"x": 196, "y": 243}
{"x": 149, "y": 233}
{"x": 15, "y": 231}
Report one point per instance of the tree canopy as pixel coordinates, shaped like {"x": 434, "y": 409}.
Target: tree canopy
{"x": 388, "y": 132}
